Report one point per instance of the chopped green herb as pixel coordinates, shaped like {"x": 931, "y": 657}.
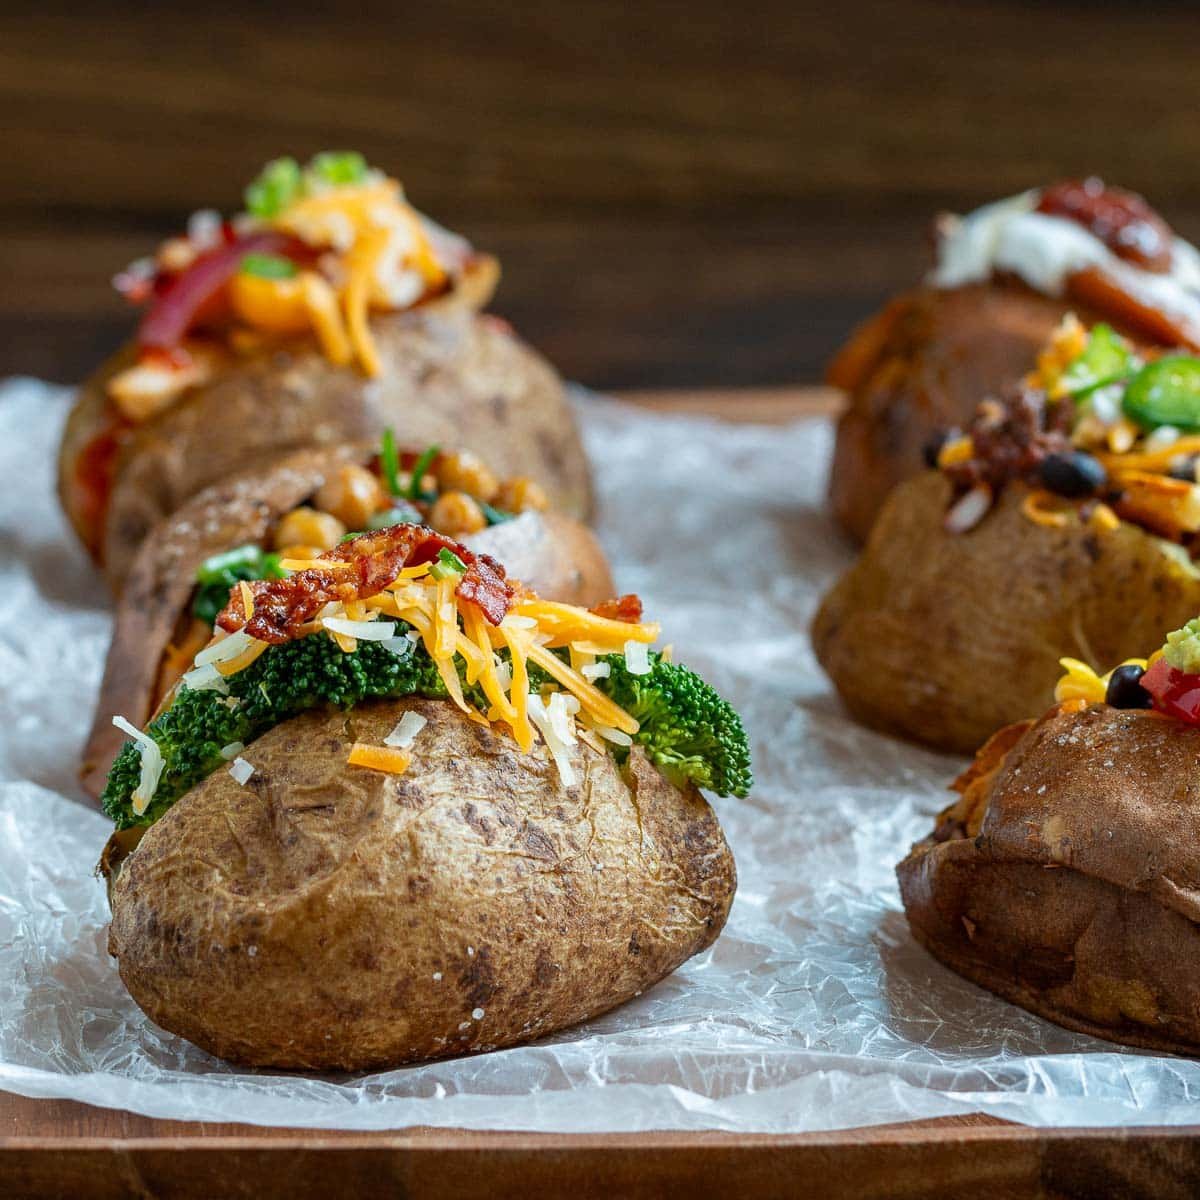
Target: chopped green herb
{"x": 422, "y": 465}
{"x": 494, "y": 516}
{"x": 279, "y": 183}
{"x": 268, "y": 266}
{"x": 390, "y": 461}
{"x": 339, "y": 168}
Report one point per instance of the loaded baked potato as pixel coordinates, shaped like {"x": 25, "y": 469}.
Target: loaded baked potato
{"x": 294, "y": 509}
{"x": 1004, "y": 278}
{"x": 1065, "y": 876}
{"x": 1062, "y": 522}
{"x": 329, "y": 310}
{"x": 430, "y": 813}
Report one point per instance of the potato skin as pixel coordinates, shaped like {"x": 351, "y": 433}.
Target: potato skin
{"x": 449, "y": 376}
{"x": 1106, "y": 942}
{"x": 555, "y": 555}
{"x": 922, "y": 365}
{"x": 944, "y": 638}
{"x": 326, "y": 917}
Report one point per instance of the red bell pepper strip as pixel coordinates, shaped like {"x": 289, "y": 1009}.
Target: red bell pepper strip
{"x": 1175, "y": 693}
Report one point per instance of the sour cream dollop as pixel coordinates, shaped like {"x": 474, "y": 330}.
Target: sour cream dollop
{"x": 1045, "y": 251}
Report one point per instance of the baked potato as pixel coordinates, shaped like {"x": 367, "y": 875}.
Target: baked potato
{"x": 1003, "y": 279}
{"x": 943, "y": 638}
{"x": 228, "y": 530}
{"x": 315, "y": 319}
{"x": 430, "y": 812}
{"x": 1065, "y": 877}
{"x": 1032, "y": 541}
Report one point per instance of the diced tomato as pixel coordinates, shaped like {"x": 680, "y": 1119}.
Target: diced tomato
{"x": 1176, "y": 693}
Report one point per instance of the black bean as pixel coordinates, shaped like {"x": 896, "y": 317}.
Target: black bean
{"x": 1072, "y": 475}
{"x": 1125, "y": 689}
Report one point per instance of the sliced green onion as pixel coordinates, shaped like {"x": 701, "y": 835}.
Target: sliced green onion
{"x": 390, "y": 461}
{"x": 340, "y": 168}
{"x": 1106, "y": 359}
{"x": 422, "y": 465}
{"x": 1165, "y": 392}
{"x": 448, "y": 565}
{"x": 268, "y": 266}
{"x": 279, "y": 183}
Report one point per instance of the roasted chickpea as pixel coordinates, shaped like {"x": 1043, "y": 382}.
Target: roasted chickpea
{"x": 455, "y": 513}
{"x": 467, "y": 472}
{"x": 352, "y": 494}
{"x": 520, "y": 495}
{"x": 305, "y": 526}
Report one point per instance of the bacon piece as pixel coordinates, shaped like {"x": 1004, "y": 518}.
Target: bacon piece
{"x": 1122, "y": 220}
{"x": 282, "y": 606}
{"x": 626, "y": 608}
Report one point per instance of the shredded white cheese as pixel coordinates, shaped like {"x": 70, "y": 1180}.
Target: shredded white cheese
{"x": 552, "y": 719}
{"x": 152, "y": 765}
{"x": 227, "y": 648}
{"x": 232, "y": 750}
{"x": 401, "y": 647}
{"x": 594, "y": 671}
{"x": 206, "y": 679}
{"x": 637, "y": 658}
{"x": 365, "y": 631}
{"x": 616, "y": 736}
{"x": 241, "y": 771}
{"x": 406, "y": 730}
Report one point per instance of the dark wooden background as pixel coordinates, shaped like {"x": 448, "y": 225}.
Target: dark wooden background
{"x": 682, "y": 194}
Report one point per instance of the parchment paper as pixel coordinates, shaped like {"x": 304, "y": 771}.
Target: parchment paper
{"x": 815, "y": 1009}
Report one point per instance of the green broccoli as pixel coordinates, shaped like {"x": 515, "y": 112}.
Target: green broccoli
{"x": 286, "y": 680}
{"x": 687, "y": 730}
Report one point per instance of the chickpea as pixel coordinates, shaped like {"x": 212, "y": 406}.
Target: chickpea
{"x": 456, "y": 513}
{"x": 467, "y": 472}
{"x": 305, "y": 526}
{"x": 521, "y": 494}
{"x": 352, "y": 494}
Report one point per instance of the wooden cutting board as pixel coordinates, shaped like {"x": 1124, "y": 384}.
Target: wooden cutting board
{"x": 76, "y": 1151}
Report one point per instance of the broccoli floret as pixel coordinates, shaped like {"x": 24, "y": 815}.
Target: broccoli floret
{"x": 687, "y": 730}
{"x": 285, "y": 680}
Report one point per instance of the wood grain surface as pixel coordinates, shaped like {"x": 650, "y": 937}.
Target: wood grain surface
{"x": 682, "y": 194}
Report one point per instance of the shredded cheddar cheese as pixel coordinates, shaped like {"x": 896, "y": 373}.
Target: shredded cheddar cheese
{"x": 389, "y": 759}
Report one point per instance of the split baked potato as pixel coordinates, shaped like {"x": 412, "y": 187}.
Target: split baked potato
{"x": 945, "y": 637}
{"x": 327, "y": 312}
{"x": 1066, "y": 877}
{"x": 427, "y": 812}
{"x": 1003, "y": 278}
{"x": 1062, "y": 521}
{"x": 355, "y": 919}
{"x": 161, "y": 619}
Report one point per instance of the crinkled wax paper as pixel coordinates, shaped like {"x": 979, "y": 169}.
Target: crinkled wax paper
{"x": 814, "y": 1010}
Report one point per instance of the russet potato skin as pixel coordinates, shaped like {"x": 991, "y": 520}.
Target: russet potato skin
{"x": 328, "y": 917}
{"x": 450, "y": 376}
{"x": 1078, "y": 895}
{"x": 555, "y": 555}
{"x": 922, "y": 365}
{"x": 944, "y": 638}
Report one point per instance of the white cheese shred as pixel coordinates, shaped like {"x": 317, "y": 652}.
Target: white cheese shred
{"x": 152, "y": 765}
{"x": 637, "y": 658}
{"x": 364, "y": 631}
{"x": 241, "y": 771}
{"x": 406, "y": 731}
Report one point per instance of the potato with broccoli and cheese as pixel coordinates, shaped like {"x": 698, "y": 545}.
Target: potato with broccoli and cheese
{"x": 325, "y": 312}
{"x": 428, "y": 812}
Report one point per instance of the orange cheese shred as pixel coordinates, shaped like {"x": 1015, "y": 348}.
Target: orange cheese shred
{"x": 389, "y": 759}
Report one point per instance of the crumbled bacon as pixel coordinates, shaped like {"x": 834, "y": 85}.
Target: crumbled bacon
{"x": 625, "y": 608}
{"x": 283, "y": 606}
{"x": 1123, "y": 221}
